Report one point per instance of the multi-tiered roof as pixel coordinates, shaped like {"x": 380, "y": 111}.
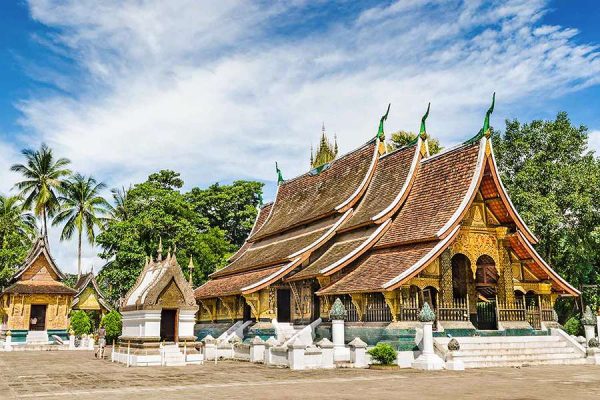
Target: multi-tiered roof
{"x": 370, "y": 221}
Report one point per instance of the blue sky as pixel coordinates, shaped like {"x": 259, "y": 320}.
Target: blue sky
{"x": 220, "y": 90}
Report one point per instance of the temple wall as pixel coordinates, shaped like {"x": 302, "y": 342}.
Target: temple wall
{"x": 18, "y": 309}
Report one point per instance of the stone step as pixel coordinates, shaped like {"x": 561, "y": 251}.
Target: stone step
{"x": 520, "y": 363}
{"x": 510, "y": 351}
{"x": 500, "y": 339}
{"x": 519, "y": 357}
{"x": 510, "y": 345}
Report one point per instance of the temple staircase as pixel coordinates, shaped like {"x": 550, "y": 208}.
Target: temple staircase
{"x": 513, "y": 351}
{"x": 37, "y": 338}
{"x": 286, "y": 330}
{"x": 172, "y": 355}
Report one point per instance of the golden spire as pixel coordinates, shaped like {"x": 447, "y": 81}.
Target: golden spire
{"x": 191, "y": 268}
{"x": 160, "y": 249}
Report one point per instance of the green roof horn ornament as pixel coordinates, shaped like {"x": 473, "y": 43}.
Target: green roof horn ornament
{"x": 485, "y": 131}
{"x": 486, "y": 122}
{"x": 423, "y": 130}
{"x": 279, "y": 175}
{"x": 380, "y": 133}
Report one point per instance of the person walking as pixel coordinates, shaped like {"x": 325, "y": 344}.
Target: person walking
{"x": 101, "y": 343}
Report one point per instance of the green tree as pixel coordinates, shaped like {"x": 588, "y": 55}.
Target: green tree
{"x": 156, "y": 210}
{"x": 554, "y": 181}
{"x": 82, "y": 208}
{"x": 17, "y": 230}
{"x": 233, "y": 208}
{"x": 403, "y": 138}
{"x": 167, "y": 179}
{"x": 80, "y": 322}
{"x": 119, "y": 209}
{"x": 113, "y": 325}
{"x": 43, "y": 177}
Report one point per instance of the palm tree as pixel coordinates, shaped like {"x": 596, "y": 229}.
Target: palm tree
{"x": 13, "y": 219}
{"x": 119, "y": 211}
{"x": 82, "y": 208}
{"x": 43, "y": 176}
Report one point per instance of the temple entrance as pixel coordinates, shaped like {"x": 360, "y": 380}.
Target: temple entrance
{"x": 248, "y": 313}
{"x": 168, "y": 325}
{"x": 37, "y": 318}
{"x": 283, "y": 305}
{"x": 460, "y": 270}
{"x": 316, "y": 313}
{"x": 486, "y": 280}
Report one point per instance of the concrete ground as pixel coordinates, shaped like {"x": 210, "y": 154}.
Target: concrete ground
{"x": 76, "y": 374}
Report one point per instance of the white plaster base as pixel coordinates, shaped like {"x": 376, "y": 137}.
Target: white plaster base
{"x": 428, "y": 362}
{"x": 404, "y": 359}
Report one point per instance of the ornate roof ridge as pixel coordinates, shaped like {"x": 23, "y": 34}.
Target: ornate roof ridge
{"x": 337, "y": 160}
{"x": 448, "y": 150}
{"x": 41, "y": 246}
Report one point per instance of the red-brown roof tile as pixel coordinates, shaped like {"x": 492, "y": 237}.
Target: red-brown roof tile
{"x": 389, "y": 178}
{"x": 232, "y": 284}
{"x": 441, "y": 184}
{"x": 39, "y": 287}
{"x": 315, "y": 195}
{"x": 371, "y": 272}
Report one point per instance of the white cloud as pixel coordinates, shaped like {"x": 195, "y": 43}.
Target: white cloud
{"x": 215, "y": 91}
{"x": 594, "y": 141}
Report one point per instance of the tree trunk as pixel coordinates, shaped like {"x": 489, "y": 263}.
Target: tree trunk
{"x": 79, "y": 255}
{"x": 44, "y": 223}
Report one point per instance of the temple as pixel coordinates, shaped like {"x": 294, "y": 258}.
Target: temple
{"x": 36, "y": 304}
{"x": 158, "y": 316}
{"x": 387, "y": 232}
{"x": 89, "y": 298}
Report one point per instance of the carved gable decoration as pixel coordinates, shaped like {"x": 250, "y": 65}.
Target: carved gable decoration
{"x": 171, "y": 296}
{"x": 160, "y": 284}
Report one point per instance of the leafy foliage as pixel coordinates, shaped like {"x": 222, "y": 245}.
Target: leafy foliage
{"x": 188, "y": 221}
{"x": 17, "y": 230}
{"x": 383, "y": 353}
{"x": 232, "y": 208}
{"x": 403, "y": 138}
{"x": 554, "y": 182}
{"x": 113, "y": 325}
{"x": 80, "y": 323}
{"x": 81, "y": 209}
{"x": 43, "y": 176}
{"x": 573, "y": 326}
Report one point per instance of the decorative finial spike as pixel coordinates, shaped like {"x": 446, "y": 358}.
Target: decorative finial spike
{"x": 280, "y": 179}
{"x": 486, "y": 122}
{"x": 191, "y": 268}
{"x": 160, "y": 248}
{"x": 380, "y": 132}
{"x": 423, "y": 130}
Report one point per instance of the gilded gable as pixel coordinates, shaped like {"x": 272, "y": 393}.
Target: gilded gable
{"x": 40, "y": 270}
{"x": 171, "y": 296}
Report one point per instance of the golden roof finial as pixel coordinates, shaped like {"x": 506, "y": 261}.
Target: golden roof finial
{"x": 191, "y": 268}
{"x": 160, "y": 248}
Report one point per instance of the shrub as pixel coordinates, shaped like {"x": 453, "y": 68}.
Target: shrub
{"x": 80, "y": 323}
{"x": 113, "y": 325}
{"x": 573, "y": 326}
{"x": 383, "y": 353}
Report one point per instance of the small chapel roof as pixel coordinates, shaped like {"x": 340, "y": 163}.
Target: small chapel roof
{"x": 89, "y": 280}
{"x": 156, "y": 277}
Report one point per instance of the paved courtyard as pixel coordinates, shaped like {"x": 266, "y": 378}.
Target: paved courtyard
{"x": 78, "y": 375}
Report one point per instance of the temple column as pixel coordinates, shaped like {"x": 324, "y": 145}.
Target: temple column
{"x": 506, "y": 290}
{"x": 447, "y": 294}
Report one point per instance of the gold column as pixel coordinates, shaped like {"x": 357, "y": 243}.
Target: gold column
{"x": 446, "y": 277}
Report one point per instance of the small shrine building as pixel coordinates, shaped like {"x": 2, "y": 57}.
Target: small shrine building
{"x": 387, "y": 231}
{"x": 160, "y": 307}
{"x": 89, "y": 298}
{"x": 36, "y": 304}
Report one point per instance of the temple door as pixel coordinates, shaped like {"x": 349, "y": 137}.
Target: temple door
{"x": 168, "y": 325}
{"x": 283, "y": 305}
{"x": 37, "y": 318}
